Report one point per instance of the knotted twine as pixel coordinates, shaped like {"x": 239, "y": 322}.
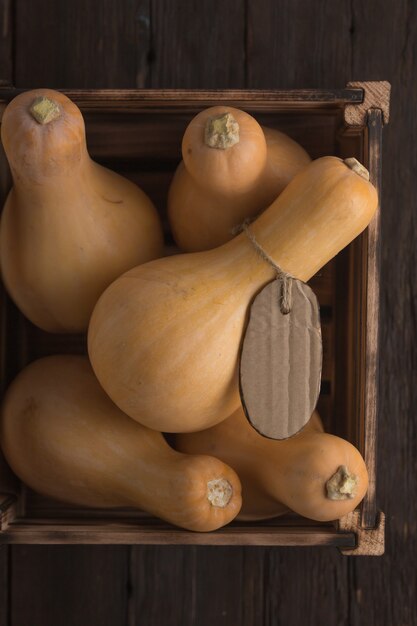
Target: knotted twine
{"x": 286, "y": 279}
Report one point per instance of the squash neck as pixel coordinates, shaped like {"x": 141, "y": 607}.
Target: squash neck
{"x": 53, "y": 177}
{"x": 302, "y": 231}
{"x": 249, "y": 269}
{"x": 46, "y": 189}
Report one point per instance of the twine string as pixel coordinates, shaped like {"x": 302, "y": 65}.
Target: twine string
{"x": 286, "y": 279}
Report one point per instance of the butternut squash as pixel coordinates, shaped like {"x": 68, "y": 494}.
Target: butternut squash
{"x": 64, "y": 437}
{"x": 224, "y": 147}
{"x": 69, "y": 226}
{"x": 164, "y": 338}
{"x": 315, "y": 474}
{"x": 225, "y": 178}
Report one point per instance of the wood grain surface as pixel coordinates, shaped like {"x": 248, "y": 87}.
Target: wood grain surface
{"x": 262, "y": 44}
{"x": 6, "y": 77}
{"x": 6, "y": 42}
{"x": 68, "y": 585}
{"x": 4, "y": 585}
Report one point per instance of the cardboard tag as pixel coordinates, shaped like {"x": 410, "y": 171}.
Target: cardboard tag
{"x": 281, "y": 361}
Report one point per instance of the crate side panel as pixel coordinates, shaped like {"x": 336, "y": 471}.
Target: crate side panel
{"x": 68, "y": 531}
{"x": 371, "y": 347}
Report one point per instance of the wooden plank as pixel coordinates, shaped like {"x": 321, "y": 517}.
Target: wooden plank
{"x": 8, "y": 481}
{"x": 195, "y": 587}
{"x": 76, "y": 44}
{"x": 6, "y": 78}
{"x": 318, "y": 593}
{"x": 26, "y": 531}
{"x": 166, "y": 573}
{"x": 4, "y": 585}
{"x": 263, "y": 99}
{"x": 68, "y": 585}
{"x": 218, "y": 598}
{"x": 254, "y": 583}
{"x": 295, "y": 44}
{"x": 299, "y": 44}
{"x": 229, "y": 586}
{"x": 382, "y": 589}
{"x": 6, "y": 42}
{"x": 157, "y": 573}
{"x": 198, "y": 45}
{"x": 240, "y": 587}
{"x": 372, "y": 352}
{"x": 143, "y": 43}
{"x": 99, "y": 43}
{"x": 180, "y": 60}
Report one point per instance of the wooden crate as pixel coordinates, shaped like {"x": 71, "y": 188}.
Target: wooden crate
{"x": 138, "y": 133}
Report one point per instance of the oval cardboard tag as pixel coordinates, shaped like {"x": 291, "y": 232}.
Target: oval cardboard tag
{"x": 281, "y": 361}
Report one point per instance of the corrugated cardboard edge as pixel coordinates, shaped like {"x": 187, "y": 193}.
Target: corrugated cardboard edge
{"x": 270, "y": 337}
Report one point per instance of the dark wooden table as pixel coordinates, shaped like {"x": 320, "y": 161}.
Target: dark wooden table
{"x": 256, "y": 44}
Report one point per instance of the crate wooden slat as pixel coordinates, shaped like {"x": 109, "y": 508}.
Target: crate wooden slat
{"x": 371, "y": 349}
{"x": 27, "y": 532}
{"x": 138, "y": 133}
{"x": 108, "y": 99}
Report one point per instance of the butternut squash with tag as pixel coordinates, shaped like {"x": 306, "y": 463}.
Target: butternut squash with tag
{"x": 164, "y": 338}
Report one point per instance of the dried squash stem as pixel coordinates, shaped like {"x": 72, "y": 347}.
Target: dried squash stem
{"x": 221, "y": 131}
